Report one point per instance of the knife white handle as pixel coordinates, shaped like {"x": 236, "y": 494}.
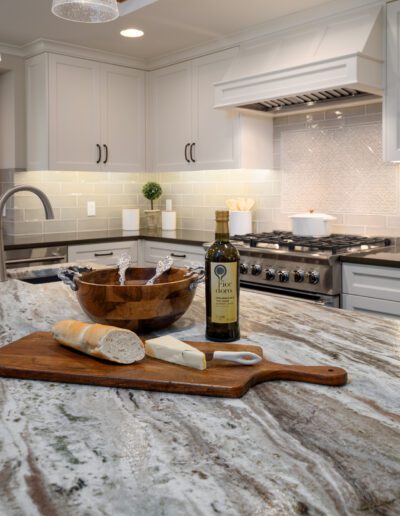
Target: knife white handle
{"x": 240, "y": 357}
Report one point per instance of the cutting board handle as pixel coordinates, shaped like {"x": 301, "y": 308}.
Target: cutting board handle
{"x": 324, "y": 375}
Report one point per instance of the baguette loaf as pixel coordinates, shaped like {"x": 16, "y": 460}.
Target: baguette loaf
{"x": 98, "y": 340}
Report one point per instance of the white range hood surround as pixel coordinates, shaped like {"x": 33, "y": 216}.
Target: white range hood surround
{"x": 345, "y": 51}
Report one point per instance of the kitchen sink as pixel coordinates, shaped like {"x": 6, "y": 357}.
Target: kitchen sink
{"x": 38, "y": 276}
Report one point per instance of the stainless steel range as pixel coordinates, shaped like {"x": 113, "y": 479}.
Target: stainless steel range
{"x": 303, "y": 267}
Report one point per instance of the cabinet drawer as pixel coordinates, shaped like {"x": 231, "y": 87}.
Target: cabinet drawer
{"x": 371, "y": 281}
{"x": 106, "y": 253}
{"x": 375, "y": 306}
{"x": 182, "y": 254}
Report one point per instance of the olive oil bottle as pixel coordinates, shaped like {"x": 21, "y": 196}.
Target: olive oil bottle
{"x": 222, "y": 284}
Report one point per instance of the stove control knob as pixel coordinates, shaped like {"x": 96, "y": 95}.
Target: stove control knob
{"x": 313, "y": 277}
{"x": 256, "y": 269}
{"x": 298, "y": 275}
{"x": 270, "y": 274}
{"x": 244, "y": 268}
{"x": 283, "y": 276}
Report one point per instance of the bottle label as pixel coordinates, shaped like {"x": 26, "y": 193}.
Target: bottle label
{"x": 224, "y": 302}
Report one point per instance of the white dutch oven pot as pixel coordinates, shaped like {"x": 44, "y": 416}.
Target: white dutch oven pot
{"x": 312, "y": 224}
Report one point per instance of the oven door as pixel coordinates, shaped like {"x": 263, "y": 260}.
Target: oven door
{"x": 320, "y": 299}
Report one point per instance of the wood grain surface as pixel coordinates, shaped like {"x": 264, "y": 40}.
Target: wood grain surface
{"x": 39, "y": 356}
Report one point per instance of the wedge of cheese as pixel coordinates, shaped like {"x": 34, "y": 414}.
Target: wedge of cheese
{"x": 170, "y": 349}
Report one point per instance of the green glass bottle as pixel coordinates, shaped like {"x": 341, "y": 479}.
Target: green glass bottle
{"x": 222, "y": 284}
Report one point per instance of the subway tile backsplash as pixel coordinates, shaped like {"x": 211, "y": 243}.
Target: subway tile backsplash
{"x": 329, "y": 161}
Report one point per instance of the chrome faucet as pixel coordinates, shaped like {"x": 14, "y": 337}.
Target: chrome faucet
{"x": 3, "y": 199}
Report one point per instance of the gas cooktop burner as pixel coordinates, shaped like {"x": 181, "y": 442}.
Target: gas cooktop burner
{"x": 332, "y": 244}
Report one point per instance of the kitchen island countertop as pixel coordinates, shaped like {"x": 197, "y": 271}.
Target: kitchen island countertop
{"x": 284, "y": 448}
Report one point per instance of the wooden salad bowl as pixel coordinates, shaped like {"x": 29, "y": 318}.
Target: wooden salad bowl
{"x": 135, "y": 305}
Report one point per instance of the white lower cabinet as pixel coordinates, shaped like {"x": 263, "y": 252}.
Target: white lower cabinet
{"x": 182, "y": 254}
{"x": 371, "y": 288}
{"x": 106, "y": 253}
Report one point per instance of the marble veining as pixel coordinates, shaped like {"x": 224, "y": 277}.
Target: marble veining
{"x": 285, "y": 448}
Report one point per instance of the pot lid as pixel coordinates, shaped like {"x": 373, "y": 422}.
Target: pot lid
{"x": 312, "y": 215}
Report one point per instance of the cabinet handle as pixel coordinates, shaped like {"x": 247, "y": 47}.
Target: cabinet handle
{"x": 106, "y": 158}
{"x": 175, "y": 255}
{"x": 104, "y": 254}
{"x": 99, "y": 154}
{"x": 191, "y": 152}
{"x": 186, "y": 149}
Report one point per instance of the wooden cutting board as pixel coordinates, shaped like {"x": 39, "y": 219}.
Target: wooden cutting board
{"x": 40, "y": 357}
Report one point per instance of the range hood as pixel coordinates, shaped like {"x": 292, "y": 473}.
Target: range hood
{"x": 340, "y": 59}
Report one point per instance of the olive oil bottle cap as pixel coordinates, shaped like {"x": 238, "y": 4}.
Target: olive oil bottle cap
{"x": 222, "y": 215}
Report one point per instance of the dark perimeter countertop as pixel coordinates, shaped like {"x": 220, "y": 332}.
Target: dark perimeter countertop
{"x": 180, "y": 236}
{"x": 385, "y": 257}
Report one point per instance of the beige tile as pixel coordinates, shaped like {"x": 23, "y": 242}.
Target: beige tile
{"x": 92, "y": 177}
{"x": 78, "y": 188}
{"x": 60, "y": 177}
{"x": 28, "y": 228}
{"x": 373, "y": 108}
{"x": 335, "y": 113}
{"x": 64, "y": 201}
{"x": 15, "y": 214}
{"x": 364, "y": 220}
{"x": 108, "y": 188}
{"x": 92, "y": 223}
{"x": 26, "y": 201}
{"x": 115, "y": 223}
{"x": 123, "y": 200}
{"x": 39, "y": 214}
{"x": 59, "y": 226}
{"x": 393, "y": 222}
{"x": 28, "y": 177}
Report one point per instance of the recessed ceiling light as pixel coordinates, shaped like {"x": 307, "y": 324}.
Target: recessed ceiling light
{"x": 132, "y": 33}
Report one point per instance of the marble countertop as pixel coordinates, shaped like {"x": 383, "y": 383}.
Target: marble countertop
{"x": 285, "y": 448}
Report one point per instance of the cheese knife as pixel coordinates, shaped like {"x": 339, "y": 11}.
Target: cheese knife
{"x": 238, "y": 357}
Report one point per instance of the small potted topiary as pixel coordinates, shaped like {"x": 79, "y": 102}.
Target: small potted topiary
{"x": 152, "y": 191}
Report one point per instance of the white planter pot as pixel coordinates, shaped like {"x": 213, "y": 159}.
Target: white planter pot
{"x": 312, "y": 224}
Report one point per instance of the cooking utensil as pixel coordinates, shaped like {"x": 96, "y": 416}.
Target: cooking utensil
{"x": 249, "y": 204}
{"x": 40, "y": 357}
{"x": 231, "y": 204}
{"x": 237, "y": 357}
{"x": 162, "y": 266}
{"x": 241, "y": 203}
{"x": 312, "y": 224}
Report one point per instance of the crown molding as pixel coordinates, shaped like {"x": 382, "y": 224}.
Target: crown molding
{"x": 46, "y": 45}
{"x": 12, "y": 50}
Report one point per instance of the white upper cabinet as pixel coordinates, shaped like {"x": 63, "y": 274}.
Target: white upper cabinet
{"x": 391, "y": 117}
{"x": 170, "y": 112}
{"x": 187, "y": 133}
{"x": 91, "y": 115}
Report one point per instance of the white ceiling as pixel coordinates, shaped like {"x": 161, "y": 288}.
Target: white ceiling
{"x": 169, "y": 25}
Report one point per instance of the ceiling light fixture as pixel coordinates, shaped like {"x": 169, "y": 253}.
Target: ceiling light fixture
{"x": 86, "y": 11}
{"x": 132, "y": 33}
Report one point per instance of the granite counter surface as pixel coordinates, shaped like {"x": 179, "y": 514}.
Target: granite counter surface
{"x": 285, "y": 448}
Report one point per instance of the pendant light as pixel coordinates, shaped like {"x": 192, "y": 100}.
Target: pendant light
{"x": 86, "y": 11}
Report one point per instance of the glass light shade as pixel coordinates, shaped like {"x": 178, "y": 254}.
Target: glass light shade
{"x": 86, "y": 11}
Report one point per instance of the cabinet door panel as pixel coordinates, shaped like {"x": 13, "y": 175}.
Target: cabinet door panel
{"x": 74, "y": 113}
{"x": 170, "y": 117}
{"x": 123, "y": 123}
{"x": 215, "y": 131}
{"x": 391, "y": 112}
{"x": 373, "y": 306}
